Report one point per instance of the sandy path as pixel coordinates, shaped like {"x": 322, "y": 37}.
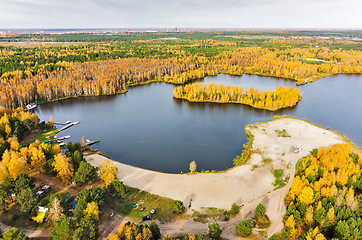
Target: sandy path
{"x": 243, "y": 185}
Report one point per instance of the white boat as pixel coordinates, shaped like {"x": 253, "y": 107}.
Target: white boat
{"x": 67, "y": 122}
{"x": 31, "y": 106}
{"x": 67, "y": 137}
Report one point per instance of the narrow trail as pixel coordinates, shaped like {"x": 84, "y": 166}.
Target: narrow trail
{"x": 28, "y": 232}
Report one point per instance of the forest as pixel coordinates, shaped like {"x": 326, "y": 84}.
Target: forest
{"x": 281, "y": 97}
{"x": 38, "y": 72}
{"x": 324, "y": 200}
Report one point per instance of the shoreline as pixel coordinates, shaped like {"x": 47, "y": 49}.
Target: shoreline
{"x": 241, "y": 184}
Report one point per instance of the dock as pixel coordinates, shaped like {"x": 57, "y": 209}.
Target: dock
{"x": 68, "y": 125}
{"x": 59, "y": 123}
{"x": 88, "y": 142}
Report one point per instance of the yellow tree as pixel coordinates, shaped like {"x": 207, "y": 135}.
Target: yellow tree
{"x": 108, "y": 172}
{"x": 309, "y": 215}
{"x": 92, "y": 210}
{"x": 14, "y": 144}
{"x": 63, "y": 166}
{"x": 7, "y": 131}
{"x": 37, "y": 158}
{"x": 193, "y": 166}
{"x": 291, "y": 223}
{"x": 307, "y": 196}
{"x": 51, "y": 121}
{"x": 331, "y": 216}
{"x": 113, "y": 237}
{"x": 17, "y": 165}
{"x": 56, "y": 148}
{"x": 3, "y": 171}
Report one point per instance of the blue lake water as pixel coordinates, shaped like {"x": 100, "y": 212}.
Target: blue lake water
{"x": 147, "y": 128}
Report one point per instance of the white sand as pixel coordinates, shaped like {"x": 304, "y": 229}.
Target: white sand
{"x": 240, "y": 184}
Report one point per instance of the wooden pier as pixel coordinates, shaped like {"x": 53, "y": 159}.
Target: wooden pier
{"x": 88, "y": 142}
{"x": 68, "y": 126}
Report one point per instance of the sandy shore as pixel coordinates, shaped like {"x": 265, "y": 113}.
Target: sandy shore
{"x": 241, "y": 184}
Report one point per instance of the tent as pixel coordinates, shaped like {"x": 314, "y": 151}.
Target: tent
{"x": 40, "y": 214}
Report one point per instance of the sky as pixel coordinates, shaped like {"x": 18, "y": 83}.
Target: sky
{"x": 315, "y": 14}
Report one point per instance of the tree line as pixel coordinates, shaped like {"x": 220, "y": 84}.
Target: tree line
{"x": 281, "y": 97}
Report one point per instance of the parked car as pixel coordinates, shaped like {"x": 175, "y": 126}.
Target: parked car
{"x": 145, "y": 218}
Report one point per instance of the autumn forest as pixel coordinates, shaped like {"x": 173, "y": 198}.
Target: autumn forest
{"x": 49, "y": 71}
{"x": 323, "y": 202}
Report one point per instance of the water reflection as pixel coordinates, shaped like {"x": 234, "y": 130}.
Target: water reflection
{"x": 146, "y": 127}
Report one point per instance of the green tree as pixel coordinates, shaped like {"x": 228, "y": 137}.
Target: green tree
{"x": 86, "y": 196}
{"x": 26, "y": 200}
{"x": 260, "y": 211}
{"x": 86, "y": 173}
{"x": 244, "y": 228}
{"x": 87, "y": 229}
{"x": 4, "y": 196}
{"x": 117, "y": 188}
{"x": 178, "y": 206}
{"x": 22, "y": 181}
{"x": 14, "y": 234}
{"x": 77, "y": 158}
{"x": 156, "y": 233}
{"x": 63, "y": 230}
{"x": 234, "y": 209}
{"x": 214, "y": 230}
{"x": 3, "y": 147}
{"x": 342, "y": 230}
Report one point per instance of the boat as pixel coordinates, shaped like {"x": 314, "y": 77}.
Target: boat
{"x": 31, "y": 106}
{"x": 64, "y": 137}
{"x": 75, "y": 123}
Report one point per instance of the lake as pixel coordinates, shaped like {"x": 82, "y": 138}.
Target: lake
{"x": 147, "y": 128}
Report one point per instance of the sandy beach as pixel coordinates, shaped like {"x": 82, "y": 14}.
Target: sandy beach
{"x": 241, "y": 184}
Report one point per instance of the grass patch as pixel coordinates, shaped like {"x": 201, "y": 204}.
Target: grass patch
{"x": 278, "y": 174}
{"x": 40, "y": 134}
{"x": 267, "y": 161}
{"x": 208, "y": 213}
{"x": 282, "y": 133}
{"x": 147, "y": 202}
{"x": 246, "y": 153}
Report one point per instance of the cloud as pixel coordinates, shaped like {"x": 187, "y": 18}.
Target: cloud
{"x": 182, "y": 13}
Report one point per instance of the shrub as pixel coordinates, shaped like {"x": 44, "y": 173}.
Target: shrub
{"x": 234, "y": 209}
{"x": 178, "y": 206}
{"x": 214, "y": 230}
{"x": 244, "y": 228}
